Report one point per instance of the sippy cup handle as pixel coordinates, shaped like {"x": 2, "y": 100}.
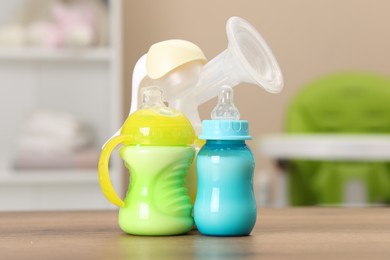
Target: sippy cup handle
{"x": 104, "y": 175}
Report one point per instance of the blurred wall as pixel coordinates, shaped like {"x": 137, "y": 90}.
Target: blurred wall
{"x": 308, "y": 38}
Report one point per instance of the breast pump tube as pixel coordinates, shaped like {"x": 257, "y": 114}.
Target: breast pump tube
{"x": 156, "y": 148}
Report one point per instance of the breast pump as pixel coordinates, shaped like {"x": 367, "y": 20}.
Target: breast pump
{"x": 179, "y": 68}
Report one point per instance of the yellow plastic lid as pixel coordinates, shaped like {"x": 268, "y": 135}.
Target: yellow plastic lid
{"x": 157, "y": 124}
{"x": 152, "y": 127}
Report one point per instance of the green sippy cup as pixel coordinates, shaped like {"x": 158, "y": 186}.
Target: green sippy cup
{"x": 157, "y": 150}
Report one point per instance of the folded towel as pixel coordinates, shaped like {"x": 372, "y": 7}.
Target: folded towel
{"x": 53, "y": 123}
{"x": 53, "y": 131}
{"x": 87, "y": 158}
{"x": 42, "y": 143}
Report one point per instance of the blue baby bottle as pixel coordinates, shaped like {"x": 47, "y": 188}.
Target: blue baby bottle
{"x": 225, "y": 204}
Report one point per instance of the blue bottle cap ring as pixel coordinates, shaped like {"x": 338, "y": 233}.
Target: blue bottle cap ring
{"x": 225, "y": 130}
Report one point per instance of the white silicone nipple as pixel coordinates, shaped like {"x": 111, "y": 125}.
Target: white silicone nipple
{"x": 225, "y": 109}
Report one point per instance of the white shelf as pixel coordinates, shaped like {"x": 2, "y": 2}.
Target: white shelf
{"x": 54, "y": 190}
{"x": 27, "y": 54}
{"x": 86, "y": 82}
{"x": 49, "y": 176}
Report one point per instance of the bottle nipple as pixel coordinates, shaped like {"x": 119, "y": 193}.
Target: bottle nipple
{"x": 225, "y": 109}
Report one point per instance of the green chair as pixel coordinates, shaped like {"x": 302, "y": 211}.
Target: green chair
{"x": 343, "y": 103}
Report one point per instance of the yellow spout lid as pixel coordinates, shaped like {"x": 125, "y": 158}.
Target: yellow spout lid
{"x": 157, "y": 124}
{"x": 152, "y": 127}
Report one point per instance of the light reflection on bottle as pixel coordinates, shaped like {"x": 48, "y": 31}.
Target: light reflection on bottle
{"x": 214, "y": 204}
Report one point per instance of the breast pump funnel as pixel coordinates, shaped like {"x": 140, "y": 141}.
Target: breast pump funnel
{"x": 247, "y": 59}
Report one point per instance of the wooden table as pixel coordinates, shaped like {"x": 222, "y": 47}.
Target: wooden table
{"x": 289, "y": 233}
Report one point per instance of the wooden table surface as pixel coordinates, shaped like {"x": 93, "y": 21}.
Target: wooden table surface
{"x": 290, "y": 233}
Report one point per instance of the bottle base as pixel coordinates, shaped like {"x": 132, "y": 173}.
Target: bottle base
{"x": 224, "y": 235}
{"x": 156, "y": 226}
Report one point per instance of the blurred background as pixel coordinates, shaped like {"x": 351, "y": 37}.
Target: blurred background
{"x": 66, "y": 68}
